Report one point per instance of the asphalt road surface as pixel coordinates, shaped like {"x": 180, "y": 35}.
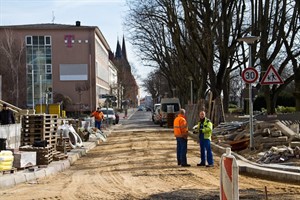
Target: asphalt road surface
{"x": 138, "y": 161}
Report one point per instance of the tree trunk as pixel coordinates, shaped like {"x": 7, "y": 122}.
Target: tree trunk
{"x": 226, "y": 95}
{"x": 297, "y": 89}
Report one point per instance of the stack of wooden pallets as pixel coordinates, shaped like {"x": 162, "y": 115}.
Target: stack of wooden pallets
{"x": 44, "y": 155}
{"x": 39, "y": 128}
{"x": 63, "y": 144}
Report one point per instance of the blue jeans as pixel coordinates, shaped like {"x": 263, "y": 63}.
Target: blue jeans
{"x": 181, "y": 150}
{"x": 98, "y": 124}
{"x": 205, "y": 150}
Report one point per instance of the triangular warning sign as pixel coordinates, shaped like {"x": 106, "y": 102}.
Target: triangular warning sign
{"x": 271, "y": 77}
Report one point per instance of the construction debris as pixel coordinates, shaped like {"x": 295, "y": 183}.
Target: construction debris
{"x": 276, "y": 155}
{"x": 274, "y": 142}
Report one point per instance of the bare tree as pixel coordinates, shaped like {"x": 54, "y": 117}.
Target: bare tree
{"x": 199, "y": 39}
{"x": 65, "y": 101}
{"x": 277, "y": 23}
{"x": 188, "y": 38}
{"x": 156, "y": 84}
{"x": 13, "y": 52}
{"x": 80, "y": 88}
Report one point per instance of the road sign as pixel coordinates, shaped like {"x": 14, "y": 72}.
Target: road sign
{"x": 107, "y": 96}
{"x": 249, "y": 75}
{"x": 271, "y": 77}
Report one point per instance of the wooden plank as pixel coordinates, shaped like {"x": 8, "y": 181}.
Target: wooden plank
{"x": 11, "y": 171}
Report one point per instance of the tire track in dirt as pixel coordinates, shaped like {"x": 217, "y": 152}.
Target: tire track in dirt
{"x": 142, "y": 165}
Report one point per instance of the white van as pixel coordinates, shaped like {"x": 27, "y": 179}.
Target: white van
{"x": 168, "y": 105}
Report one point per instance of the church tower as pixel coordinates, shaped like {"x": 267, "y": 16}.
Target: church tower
{"x": 125, "y": 76}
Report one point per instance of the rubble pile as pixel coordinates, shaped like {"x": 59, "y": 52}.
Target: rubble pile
{"x": 274, "y": 142}
{"x": 276, "y": 155}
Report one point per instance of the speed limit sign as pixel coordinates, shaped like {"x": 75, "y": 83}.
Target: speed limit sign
{"x": 249, "y": 75}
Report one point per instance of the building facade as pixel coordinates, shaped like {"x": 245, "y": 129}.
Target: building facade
{"x": 67, "y": 64}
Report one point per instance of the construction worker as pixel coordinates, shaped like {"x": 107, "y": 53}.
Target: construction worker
{"x": 6, "y": 115}
{"x": 204, "y": 129}
{"x": 99, "y": 116}
{"x": 181, "y": 134}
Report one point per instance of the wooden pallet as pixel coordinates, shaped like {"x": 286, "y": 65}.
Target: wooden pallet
{"x": 44, "y": 154}
{"x": 59, "y": 156}
{"x": 27, "y": 167}
{"x": 11, "y": 171}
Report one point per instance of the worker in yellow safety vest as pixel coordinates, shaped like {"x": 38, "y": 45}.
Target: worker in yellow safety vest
{"x": 205, "y": 128}
{"x": 181, "y": 134}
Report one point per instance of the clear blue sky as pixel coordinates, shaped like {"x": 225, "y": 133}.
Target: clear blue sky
{"x": 108, "y": 15}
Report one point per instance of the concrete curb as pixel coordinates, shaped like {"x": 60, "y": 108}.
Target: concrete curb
{"x": 274, "y": 171}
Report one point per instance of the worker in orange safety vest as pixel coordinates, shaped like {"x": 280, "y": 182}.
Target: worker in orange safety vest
{"x": 181, "y": 134}
{"x": 99, "y": 116}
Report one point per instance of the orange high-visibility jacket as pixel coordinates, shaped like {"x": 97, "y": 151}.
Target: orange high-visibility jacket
{"x": 180, "y": 126}
{"x": 99, "y": 116}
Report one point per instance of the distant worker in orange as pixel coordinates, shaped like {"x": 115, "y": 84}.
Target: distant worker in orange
{"x": 99, "y": 116}
{"x": 181, "y": 134}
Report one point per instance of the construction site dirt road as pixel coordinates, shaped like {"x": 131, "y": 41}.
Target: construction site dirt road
{"x": 141, "y": 164}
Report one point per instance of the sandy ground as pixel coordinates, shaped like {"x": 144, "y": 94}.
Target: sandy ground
{"x": 142, "y": 165}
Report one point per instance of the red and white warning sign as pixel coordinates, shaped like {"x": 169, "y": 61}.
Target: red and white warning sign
{"x": 249, "y": 75}
{"x": 271, "y": 77}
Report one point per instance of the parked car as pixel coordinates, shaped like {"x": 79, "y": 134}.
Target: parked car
{"x": 141, "y": 108}
{"x": 109, "y": 114}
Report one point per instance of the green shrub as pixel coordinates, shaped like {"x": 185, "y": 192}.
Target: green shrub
{"x": 236, "y": 110}
{"x": 232, "y": 105}
{"x": 282, "y": 109}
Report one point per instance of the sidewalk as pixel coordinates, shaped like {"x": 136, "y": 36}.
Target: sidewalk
{"x": 22, "y": 176}
{"x": 130, "y": 112}
{"x": 10, "y": 180}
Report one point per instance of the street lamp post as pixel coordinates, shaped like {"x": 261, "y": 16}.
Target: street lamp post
{"x": 191, "y": 80}
{"x": 32, "y": 89}
{"x": 250, "y": 40}
{"x": 173, "y": 90}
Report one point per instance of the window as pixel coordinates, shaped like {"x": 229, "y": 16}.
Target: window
{"x": 47, "y": 40}
{"x": 38, "y": 40}
{"x": 48, "y": 69}
{"x": 48, "y": 50}
{"x": 28, "y": 40}
{"x": 41, "y": 40}
{"x": 35, "y": 40}
{"x": 48, "y": 59}
{"x": 38, "y": 62}
{"x": 29, "y": 69}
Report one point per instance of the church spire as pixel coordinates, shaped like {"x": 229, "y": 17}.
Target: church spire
{"x": 118, "y": 54}
{"x": 124, "y": 53}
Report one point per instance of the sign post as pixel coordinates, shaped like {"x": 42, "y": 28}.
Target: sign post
{"x": 250, "y": 40}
